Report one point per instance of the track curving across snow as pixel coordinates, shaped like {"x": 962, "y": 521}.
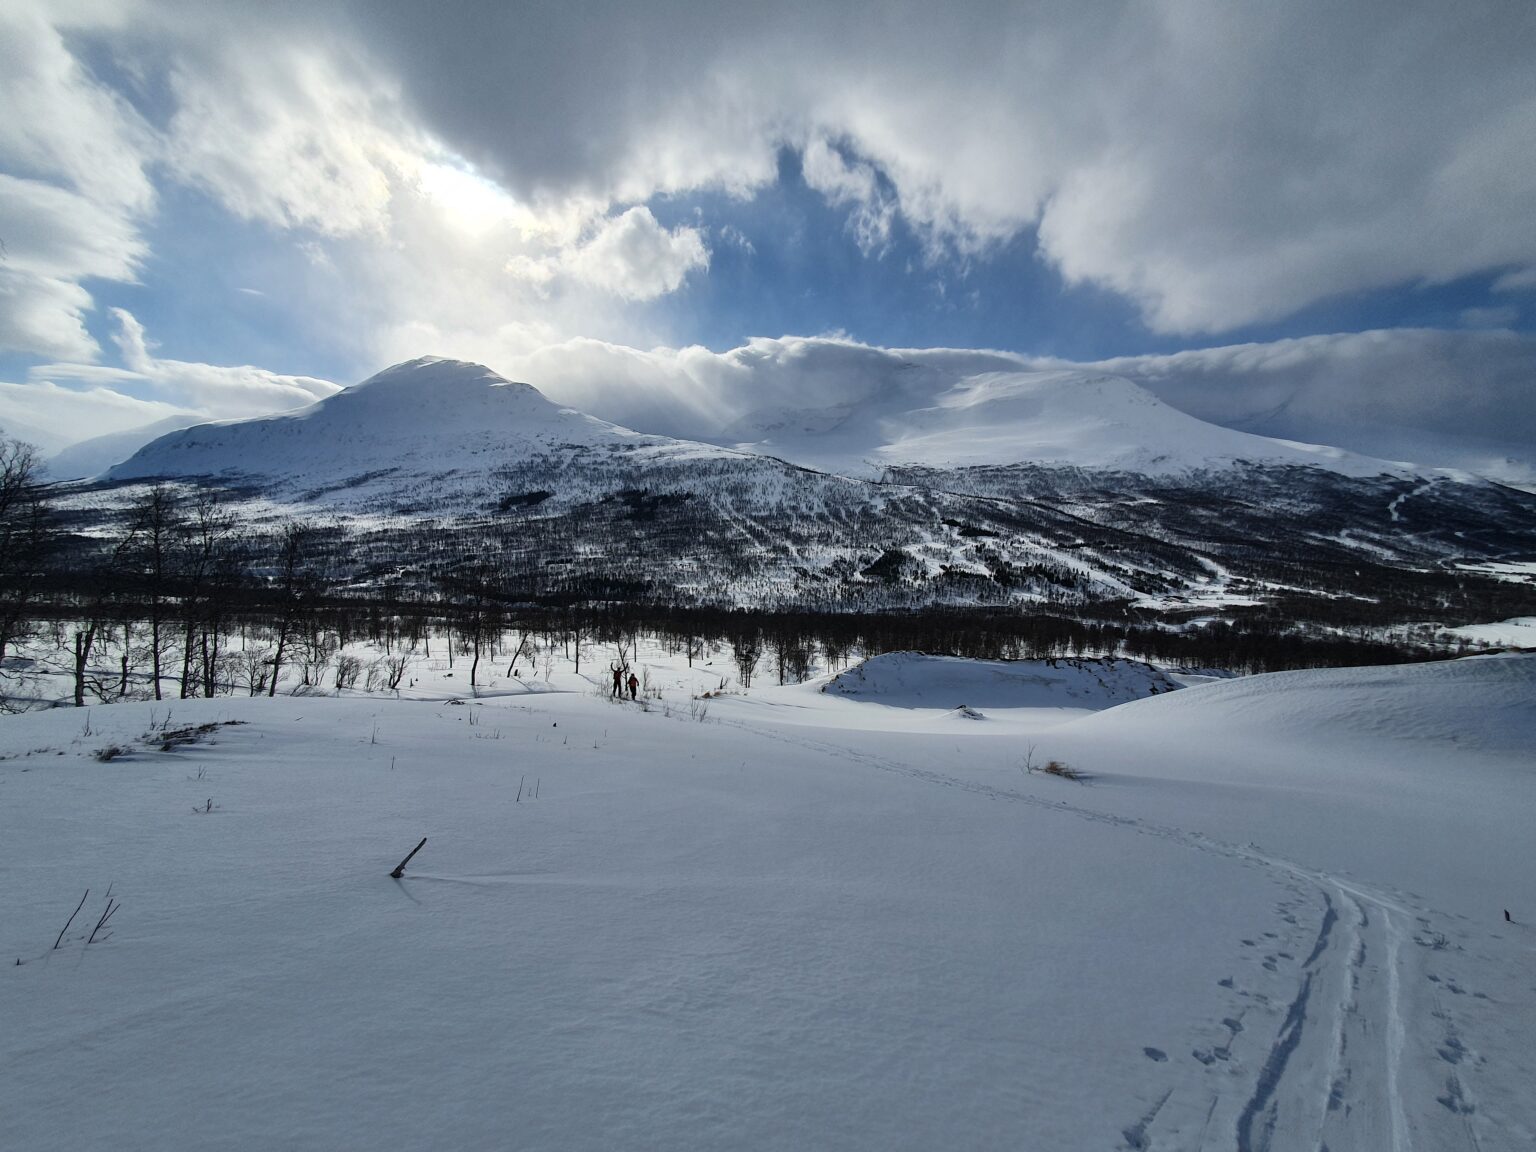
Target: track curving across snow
{"x": 1347, "y": 1063}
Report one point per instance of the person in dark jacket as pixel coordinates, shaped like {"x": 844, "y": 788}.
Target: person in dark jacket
{"x": 618, "y": 682}
{"x": 634, "y": 685}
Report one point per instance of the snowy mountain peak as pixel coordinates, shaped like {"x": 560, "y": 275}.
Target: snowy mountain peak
{"x": 432, "y": 382}
{"x": 436, "y": 374}
{"x": 419, "y": 422}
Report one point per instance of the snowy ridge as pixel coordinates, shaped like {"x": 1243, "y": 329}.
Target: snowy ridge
{"x": 96, "y": 455}
{"x": 1065, "y": 418}
{"x": 1481, "y": 702}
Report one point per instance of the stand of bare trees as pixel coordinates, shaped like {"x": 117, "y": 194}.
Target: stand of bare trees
{"x": 25, "y": 541}
{"x": 24, "y": 537}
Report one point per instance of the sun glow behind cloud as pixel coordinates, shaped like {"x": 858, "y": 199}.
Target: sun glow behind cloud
{"x": 470, "y": 202}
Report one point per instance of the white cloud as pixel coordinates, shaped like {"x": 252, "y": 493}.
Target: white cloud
{"x": 73, "y": 185}
{"x": 58, "y": 415}
{"x": 629, "y": 256}
{"x": 634, "y": 257}
{"x": 54, "y": 238}
{"x": 289, "y": 123}
{"x": 696, "y": 393}
{"x": 43, "y": 315}
{"x": 1520, "y": 280}
{"x": 291, "y": 133}
{"x": 220, "y": 392}
{"x": 56, "y": 233}
{"x": 62, "y": 125}
{"x": 856, "y": 185}
{"x": 69, "y": 402}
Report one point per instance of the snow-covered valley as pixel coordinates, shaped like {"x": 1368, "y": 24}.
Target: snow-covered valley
{"x": 1268, "y": 915}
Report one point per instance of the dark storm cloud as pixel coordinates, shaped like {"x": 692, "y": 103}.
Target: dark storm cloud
{"x": 1217, "y": 163}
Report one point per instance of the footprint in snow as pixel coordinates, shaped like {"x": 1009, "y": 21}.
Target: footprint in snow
{"x": 1156, "y": 1054}
{"x": 1454, "y": 1100}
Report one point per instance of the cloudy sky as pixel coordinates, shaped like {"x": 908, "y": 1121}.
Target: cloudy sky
{"x": 1279, "y": 215}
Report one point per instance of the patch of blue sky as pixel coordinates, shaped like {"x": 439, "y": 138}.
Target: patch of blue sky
{"x": 217, "y": 289}
{"x": 786, "y": 262}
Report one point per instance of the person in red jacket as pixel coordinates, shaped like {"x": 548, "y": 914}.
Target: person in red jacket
{"x": 634, "y": 685}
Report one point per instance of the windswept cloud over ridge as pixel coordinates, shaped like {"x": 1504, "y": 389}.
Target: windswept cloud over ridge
{"x": 1450, "y": 399}
{"x": 69, "y": 402}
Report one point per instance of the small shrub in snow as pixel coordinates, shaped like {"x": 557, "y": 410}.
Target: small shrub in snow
{"x": 1065, "y": 771}
{"x": 172, "y": 738}
{"x": 110, "y": 752}
{"x": 1050, "y": 767}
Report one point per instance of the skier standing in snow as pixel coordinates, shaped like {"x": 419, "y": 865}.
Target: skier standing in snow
{"x": 634, "y": 685}
{"x": 618, "y": 682}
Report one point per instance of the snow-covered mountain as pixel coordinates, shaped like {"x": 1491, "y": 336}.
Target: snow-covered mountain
{"x": 426, "y": 420}
{"x": 1063, "y": 418}
{"x": 993, "y": 488}
{"x": 434, "y": 418}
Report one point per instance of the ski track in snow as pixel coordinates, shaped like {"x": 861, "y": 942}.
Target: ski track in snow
{"x": 1344, "y": 1031}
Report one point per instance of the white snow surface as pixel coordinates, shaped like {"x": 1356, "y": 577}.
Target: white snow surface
{"x": 1070, "y": 418}
{"x": 1516, "y": 632}
{"x": 1269, "y": 918}
{"x": 426, "y": 417}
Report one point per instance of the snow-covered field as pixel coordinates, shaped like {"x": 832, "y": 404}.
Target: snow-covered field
{"x": 1271, "y": 915}
{"x": 1519, "y": 632}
